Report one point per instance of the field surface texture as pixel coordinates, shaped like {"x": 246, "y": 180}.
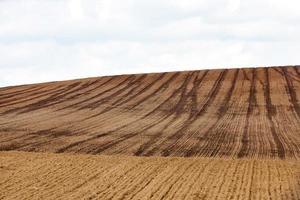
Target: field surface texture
{"x": 63, "y": 176}
{"x": 210, "y": 134}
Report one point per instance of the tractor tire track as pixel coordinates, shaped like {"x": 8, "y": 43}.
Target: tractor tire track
{"x": 221, "y": 112}
{"x": 166, "y": 114}
{"x": 178, "y": 134}
{"x": 271, "y": 111}
{"x": 292, "y": 93}
{"x": 154, "y": 139}
{"x": 252, "y": 102}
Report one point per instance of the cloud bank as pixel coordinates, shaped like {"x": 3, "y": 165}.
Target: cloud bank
{"x": 65, "y": 39}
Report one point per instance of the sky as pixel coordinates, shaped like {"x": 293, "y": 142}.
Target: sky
{"x": 53, "y": 40}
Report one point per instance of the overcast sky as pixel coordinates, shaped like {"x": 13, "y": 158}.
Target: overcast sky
{"x": 65, "y": 39}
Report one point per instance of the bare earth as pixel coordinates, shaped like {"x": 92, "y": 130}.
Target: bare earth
{"x": 63, "y": 176}
{"x": 210, "y": 134}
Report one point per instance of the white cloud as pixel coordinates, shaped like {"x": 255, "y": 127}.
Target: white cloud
{"x": 64, "y": 39}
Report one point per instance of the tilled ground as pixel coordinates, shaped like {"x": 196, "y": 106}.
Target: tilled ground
{"x": 64, "y": 176}
{"x": 211, "y": 134}
{"x": 252, "y": 113}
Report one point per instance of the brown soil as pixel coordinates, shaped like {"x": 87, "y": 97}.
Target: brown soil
{"x": 241, "y": 120}
{"x": 63, "y": 176}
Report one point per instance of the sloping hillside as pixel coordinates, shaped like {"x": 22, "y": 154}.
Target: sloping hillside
{"x": 238, "y": 113}
{"x": 211, "y": 134}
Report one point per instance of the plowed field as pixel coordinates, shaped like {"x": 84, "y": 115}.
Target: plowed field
{"x": 237, "y": 129}
{"x": 60, "y": 176}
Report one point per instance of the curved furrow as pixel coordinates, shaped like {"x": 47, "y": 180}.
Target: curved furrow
{"x": 93, "y": 116}
{"x": 192, "y": 114}
{"x": 242, "y": 113}
{"x": 177, "y": 135}
{"x": 183, "y": 97}
{"x": 130, "y": 95}
{"x": 152, "y": 94}
{"x": 163, "y": 86}
{"x": 194, "y": 94}
{"x": 271, "y": 111}
{"x": 45, "y": 116}
{"x": 221, "y": 112}
{"x": 41, "y": 103}
{"x": 132, "y": 134}
{"x": 66, "y": 108}
{"x": 64, "y": 115}
{"x": 175, "y": 111}
{"x": 180, "y": 90}
{"x": 84, "y": 94}
{"x": 292, "y": 93}
{"x": 144, "y": 90}
{"x": 97, "y": 135}
{"x": 154, "y": 139}
{"x": 213, "y": 94}
{"x": 251, "y": 105}
{"x": 118, "y": 93}
{"x": 67, "y": 96}
{"x": 245, "y": 75}
{"x": 18, "y": 93}
{"x": 119, "y": 87}
{"x": 286, "y": 120}
{"x": 225, "y": 104}
{"x": 33, "y": 96}
{"x": 119, "y": 128}
{"x": 58, "y": 98}
{"x": 97, "y": 95}
{"x": 294, "y": 77}
{"x": 19, "y": 88}
{"x": 296, "y": 69}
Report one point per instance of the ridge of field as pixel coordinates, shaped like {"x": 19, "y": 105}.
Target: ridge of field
{"x": 238, "y": 113}
{"x": 26, "y": 175}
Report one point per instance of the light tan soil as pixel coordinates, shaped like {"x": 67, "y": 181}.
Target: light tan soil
{"x": 64, "y": 176}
